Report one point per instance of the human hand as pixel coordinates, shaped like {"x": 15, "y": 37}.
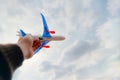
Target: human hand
{"x": 28, "y": 45}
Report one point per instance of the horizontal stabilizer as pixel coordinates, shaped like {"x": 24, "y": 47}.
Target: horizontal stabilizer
{"x": 52, "y": 32}
{"x": 46, "y": 46}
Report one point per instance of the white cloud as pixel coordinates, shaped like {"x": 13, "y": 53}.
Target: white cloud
{"x": 85, "y": 24}
{"x": 109, "y": 33}
{"x": 114, "y": 7}
{"x": 76, "y": 51}
{"x": 100, "y": 65}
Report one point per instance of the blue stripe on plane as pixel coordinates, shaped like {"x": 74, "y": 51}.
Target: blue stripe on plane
{"x": 22, "y": 33}
{"x": 46, "y": 30}
{"x": 43, "y": 44}
{"x": 45, "y": 34}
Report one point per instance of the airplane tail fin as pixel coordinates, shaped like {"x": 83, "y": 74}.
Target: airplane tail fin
{"x": 46, "y": 30}
{"x": 22, "y": 33}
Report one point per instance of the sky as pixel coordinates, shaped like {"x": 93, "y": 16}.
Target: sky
{"x": 91, "y": 50}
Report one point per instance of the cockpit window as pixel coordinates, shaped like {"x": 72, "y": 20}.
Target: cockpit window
{"x": 40, "y": 38}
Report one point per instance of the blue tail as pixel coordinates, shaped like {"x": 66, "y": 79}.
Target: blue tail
{"x": 22, "y": 33}
{"x": 45, "y": 34}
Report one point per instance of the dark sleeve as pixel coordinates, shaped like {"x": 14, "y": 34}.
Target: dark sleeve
{"x": 13, "y": 55}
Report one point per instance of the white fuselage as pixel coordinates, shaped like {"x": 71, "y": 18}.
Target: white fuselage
{"x": 54, "y": 38}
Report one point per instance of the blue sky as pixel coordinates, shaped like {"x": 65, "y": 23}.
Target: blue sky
{"x": 91, "y": 50}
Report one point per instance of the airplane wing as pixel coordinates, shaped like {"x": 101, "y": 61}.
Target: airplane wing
{"x": 22, "y": 33}
{"x": 46, "y": 30}
{"x": 38, "y": 49}
{"x": 45, "y": 34}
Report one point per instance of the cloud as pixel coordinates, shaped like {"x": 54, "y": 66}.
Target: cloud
{"x": 46, "y": 66}
{"x": 1, "y": 28}
{"x": 91, "y": 49}
{"x": 109, "y": 33}
{"x": 57, "y": 70}
{"x": 113, "y": 7}
{"x": 78, "y": 49}
{"x": 97, "y": 64}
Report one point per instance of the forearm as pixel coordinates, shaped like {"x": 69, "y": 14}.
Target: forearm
{"x": 13, "y": 55}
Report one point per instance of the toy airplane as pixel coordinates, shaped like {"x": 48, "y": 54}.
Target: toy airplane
{"x": 46, "y": 37}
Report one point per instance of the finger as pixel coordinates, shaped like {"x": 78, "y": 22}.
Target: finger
{"x": 29, "y": 37}
{"x": 20, "y": 38}
{"x": 18, "y": 31}
{"x": 18, "y": 35}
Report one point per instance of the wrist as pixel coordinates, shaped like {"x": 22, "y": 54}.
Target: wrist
{"x": 26, "y": 51}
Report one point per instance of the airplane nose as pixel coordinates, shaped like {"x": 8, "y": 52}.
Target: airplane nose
{"x": 62, "y": 38}
{"x": 57, "y": 38}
